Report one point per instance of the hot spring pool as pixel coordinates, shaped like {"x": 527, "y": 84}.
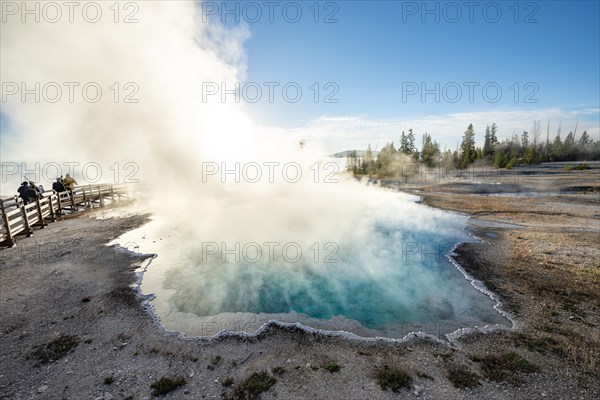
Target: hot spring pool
{"x": 394, "y": 281}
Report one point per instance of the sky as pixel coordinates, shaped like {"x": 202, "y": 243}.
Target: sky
{"x": 345, "y": 74}
{"x": 386, "y": 66}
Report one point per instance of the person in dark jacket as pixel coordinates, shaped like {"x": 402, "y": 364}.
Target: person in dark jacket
{"x": 34, "y": 192}
{"x": 58, "y": 186}
{"x": 22, "y": 190}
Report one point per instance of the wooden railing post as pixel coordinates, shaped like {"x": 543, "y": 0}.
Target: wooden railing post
{"x": 101, "y": 197}
{"x": 40, "y": 214}
{"x": 9, "y": 237}
{"x": 26, "y": 221}
{"x": 84, "y": 197}
{"x": 73, "y": 206}
{"x": 59, "y": 202}
{"x": 51, "y": 205}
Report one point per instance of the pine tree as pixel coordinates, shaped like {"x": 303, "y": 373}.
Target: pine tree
{"x": 387, "y": 160}
{"x": 404, "y": 144}
{"x": 488, "y": 148}
{"x": 411, "y": 142}
{"x": 556, "y": 148}
{"x": 493, "y": 137}
{"x": 430, "y": 151}
{"x": 354, "y": 162}
{"x": 569, "y": 149}
{"x": 569, "y": 141}
{"x": 468, "y": 154}
{"x": 584, "y": 140}
{"x": 529, "y": 156}
{"x": 368, "y": 162}
{"x": 525, "y": 139}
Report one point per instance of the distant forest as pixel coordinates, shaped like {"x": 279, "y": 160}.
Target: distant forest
{"x": 524, "y": 149}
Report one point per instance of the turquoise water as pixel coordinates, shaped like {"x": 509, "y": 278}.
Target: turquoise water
{"x": 394, "y": 280}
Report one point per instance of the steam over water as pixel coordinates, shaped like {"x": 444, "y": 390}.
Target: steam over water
{"x": 390, "y": 267}
{"x": 391, "y": 279}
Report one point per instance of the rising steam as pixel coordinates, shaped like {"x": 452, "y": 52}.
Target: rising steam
{"x": 172, "y": 135}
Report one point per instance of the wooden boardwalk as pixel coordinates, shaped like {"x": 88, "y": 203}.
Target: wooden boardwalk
{"x": 18, "y": 219}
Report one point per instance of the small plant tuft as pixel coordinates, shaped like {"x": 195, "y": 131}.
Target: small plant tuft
{"x": 445, "y": 356}
{"x": 331, "y": 367}
{"x": 165, "y": 385}
{"x": 578, "y": 167}
{"x": 56, "y": 349}
{"x": 504, "y": 367}
{"x": 214, "y": 362}
{"x": 109, "y": 380}
{"x": 540, "y": 344}
{"x": 461, "y": 376}
{"x": 278, "y": 371}
{"x": 392, "y": 378}
{"x": 253, "y": 386}
{"x": 227, "y": 382}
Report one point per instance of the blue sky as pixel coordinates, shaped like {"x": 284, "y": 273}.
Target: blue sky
{"x": 371, "y": 57}
{"x": 549, "y": 51}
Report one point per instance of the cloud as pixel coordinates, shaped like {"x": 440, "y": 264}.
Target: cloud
{"x": 337, "y": 133}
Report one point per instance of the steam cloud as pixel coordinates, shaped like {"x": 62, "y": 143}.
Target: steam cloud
{"x": 171, "y": 134}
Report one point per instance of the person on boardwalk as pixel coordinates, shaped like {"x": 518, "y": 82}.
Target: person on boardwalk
{"x": 22, "y": 190}
{"x": 69, "y": 182}
{"x": 58, "y": 186}
{"x": 33, "y": 192}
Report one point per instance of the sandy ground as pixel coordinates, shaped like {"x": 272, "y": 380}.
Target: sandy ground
{"x": 71, "y": 326}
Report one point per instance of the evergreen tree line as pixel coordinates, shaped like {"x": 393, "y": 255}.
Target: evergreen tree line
{"x": 517, "y": 150}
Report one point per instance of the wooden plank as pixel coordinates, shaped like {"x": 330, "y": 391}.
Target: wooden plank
{"x": 15, "y": 230}
{"x": 13, "y": 212}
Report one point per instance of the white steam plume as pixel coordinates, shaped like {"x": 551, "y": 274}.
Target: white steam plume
{"x": 171, "y": 133}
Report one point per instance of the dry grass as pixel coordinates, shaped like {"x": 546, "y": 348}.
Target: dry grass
{"x": 461, "y": 376}
{"x": 504, "y": 367}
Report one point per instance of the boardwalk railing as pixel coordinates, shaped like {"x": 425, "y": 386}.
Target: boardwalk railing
{"x": 17, "y": 218}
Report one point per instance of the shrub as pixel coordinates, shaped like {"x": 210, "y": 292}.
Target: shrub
{"x": 56, "y": 349}
{"x": 392, "y": 378}
{"x": 165, "y": 385}
{"x": 461, "y": 376}
{"x": 253, "y": 386}
{"x": 331, "y": 367}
